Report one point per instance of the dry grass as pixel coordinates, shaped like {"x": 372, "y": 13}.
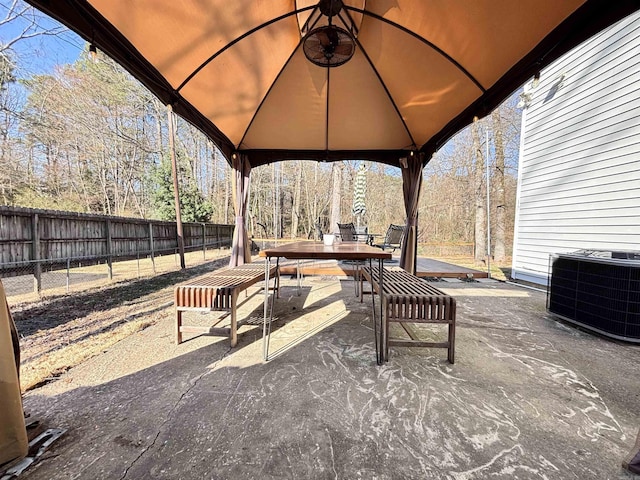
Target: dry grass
{"x": 94, "y": 276}
{"x": 49, "y": 367}
{"x": 60, "y": 332}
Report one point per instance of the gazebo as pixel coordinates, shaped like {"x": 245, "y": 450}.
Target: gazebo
{"x": 380, "y": 80}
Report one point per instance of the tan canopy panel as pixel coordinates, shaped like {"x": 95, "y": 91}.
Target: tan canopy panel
{"x": 331, "y": 80}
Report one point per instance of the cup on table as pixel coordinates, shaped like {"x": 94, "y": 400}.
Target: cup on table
{"x": 328, "y": 239}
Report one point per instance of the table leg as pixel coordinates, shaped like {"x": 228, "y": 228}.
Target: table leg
{"x": 276, "y": 290}
{"x": 265, "y": 340}
{"x": 376, "y": 340}
{"x": 383, "y": 327}
{"x": 298, "y": 278}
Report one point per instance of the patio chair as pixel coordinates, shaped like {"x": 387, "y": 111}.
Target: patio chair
{"x": 347, "y": 232}
{"x": 393, "y": 238}
{"x": 350, "y": 233}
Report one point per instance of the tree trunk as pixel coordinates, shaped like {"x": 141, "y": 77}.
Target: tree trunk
{"x": 159, "y": 115}
{"x": 336, "y": 194}
{"x": 479, "y": 196}
{"x": 297, "y": 193}
{"x": 226, "y": 195}
{"x": 499, "y": 251}
{"x": 276, "y": 201}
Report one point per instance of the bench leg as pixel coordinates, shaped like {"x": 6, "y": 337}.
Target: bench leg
{"x": 452, "y": 342}
{"x": 178, "y": 326}
{"x": 385, "y": 340}
{"x": 233, "y": 333}
{"x": 362, "y": 292}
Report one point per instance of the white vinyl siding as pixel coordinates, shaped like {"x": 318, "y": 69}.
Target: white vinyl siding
{"x": 579, "y": 174}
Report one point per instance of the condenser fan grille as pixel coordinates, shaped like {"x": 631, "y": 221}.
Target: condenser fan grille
{"x": 329, "y": 46}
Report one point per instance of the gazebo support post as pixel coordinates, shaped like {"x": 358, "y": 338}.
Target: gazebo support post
{"x": 240, "y": 247}
{"x": 176, "y": 188}
{"x": 411, "y": 168}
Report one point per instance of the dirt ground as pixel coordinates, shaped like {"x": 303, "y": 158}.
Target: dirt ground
{"x": 59, "y": 332}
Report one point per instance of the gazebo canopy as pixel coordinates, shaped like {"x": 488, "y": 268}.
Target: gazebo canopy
{"x": 381, "y": 80}
{"x": 421, "y": 69}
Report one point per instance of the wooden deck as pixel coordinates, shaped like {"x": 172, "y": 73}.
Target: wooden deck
{"x": 427, "y": 267}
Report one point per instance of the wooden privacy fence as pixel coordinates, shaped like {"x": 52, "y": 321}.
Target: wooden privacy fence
{"x": 30, "y": 238}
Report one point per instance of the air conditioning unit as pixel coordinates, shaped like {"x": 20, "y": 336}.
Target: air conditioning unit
{"x": 598, "y": 290}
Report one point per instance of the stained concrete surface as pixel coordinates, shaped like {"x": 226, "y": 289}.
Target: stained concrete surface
{"x": 528, "y": 397}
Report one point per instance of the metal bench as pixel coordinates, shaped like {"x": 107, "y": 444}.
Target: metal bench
{"x": 408, "y": 299}
{"x": 218, "y": 291}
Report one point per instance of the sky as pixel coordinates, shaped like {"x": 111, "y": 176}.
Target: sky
{"x": 41, "y": 53}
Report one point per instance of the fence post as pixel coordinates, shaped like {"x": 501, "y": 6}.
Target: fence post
{"x": 204, "y": 241}
{"x": 68, "y": 273}
{"x": 35, "y": 253}
{"x": 153, "y": 259}
{"x": 109, "y": 246}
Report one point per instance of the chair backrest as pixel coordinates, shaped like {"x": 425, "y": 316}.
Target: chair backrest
{"x": 347, "y": 232}
{"x": 319, "y": 233}
{"x": 395, "y": 234}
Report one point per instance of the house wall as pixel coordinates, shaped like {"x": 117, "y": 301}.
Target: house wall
{"x": 579, "y": 174}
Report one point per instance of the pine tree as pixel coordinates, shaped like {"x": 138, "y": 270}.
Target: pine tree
{"x": 194, "y": 207}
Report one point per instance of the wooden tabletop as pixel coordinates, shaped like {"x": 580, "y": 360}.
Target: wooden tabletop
{"x": 337, "y": 251}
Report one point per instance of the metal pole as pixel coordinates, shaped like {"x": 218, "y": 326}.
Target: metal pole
{"x": 265, "y": 339}
{"x": 176, "y": 190}
{"x": 486, "y": 134}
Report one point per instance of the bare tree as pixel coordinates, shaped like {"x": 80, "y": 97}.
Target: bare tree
{"x": 23, "y": 20}
{"x": 296, "y": 207}
{"x": 479, "y": 196}
{"x": 498, "y": 180}
{"x": 336, "y": 195}
{"x": 28, "y": 20}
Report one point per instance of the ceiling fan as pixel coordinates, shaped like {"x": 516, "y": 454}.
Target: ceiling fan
{"x": 329, "y": 46}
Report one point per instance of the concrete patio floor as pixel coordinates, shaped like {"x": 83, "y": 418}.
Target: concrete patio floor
{"x": 528, "y": 397}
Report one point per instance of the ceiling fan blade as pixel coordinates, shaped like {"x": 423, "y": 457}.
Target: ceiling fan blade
{"x": 344, "y": 49}
{"x": 323, "y": 38}
{"x": 318, "y": 55}
{"x": 312, "y": 43}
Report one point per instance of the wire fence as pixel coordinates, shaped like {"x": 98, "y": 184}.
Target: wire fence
{"x": 26, "y": 281}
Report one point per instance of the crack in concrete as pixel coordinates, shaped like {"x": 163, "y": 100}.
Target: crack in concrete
{"x": 169, "y": 416}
